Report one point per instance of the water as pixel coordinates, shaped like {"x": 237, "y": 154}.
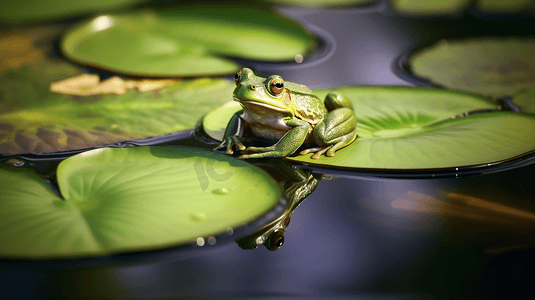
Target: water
{"x": 354, "y": 237}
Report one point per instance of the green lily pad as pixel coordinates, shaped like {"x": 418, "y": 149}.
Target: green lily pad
{"x": 507, "y": 66}
{"x": 34, "y": 119}
{"x": 500, "y": 6}
{"x": 403, "y": 128}
{"x": 426, "y": 7}
{"x": 129, "y": 199}
{"x": 30, "y": 11}
{"x": 526, "y": 101}
{"x": 320, "y": 3}
{"x": 185, "y": 41}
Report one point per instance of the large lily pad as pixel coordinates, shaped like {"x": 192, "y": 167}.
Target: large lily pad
{"x": 185, "y": 41}
{"x": 129, "y": 199}
{"x": 34, "y": 119}
{"x": 29, "y": 10}
{"x": 525, "y": 100}
{"x": 426, "y": 7}
{"x": 507, "y": 66}
{"x": 402, "y": 128}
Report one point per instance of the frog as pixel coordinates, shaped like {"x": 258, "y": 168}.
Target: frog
{"x": 289, "y": 115}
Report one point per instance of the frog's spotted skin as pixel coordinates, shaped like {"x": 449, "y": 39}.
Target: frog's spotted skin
{"x": 313, "y": 114}
{"x": 290, "y": 115}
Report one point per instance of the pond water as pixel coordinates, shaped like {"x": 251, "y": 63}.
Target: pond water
{"x": 355, "y": 237}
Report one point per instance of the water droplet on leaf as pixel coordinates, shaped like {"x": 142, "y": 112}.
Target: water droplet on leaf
{"x": 198, "y": 217}
{"x": 221, "y": 191}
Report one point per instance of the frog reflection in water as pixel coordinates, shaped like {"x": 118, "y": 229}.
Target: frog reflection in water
{"x": 290, "y": 115}
{"x": 298, "y": 185}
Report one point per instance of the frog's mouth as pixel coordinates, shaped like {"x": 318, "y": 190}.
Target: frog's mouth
{"x": 256, "y": 103}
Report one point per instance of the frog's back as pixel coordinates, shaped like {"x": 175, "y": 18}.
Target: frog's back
{"x": 298, "y": 88}
{"x": 309, "y": 107}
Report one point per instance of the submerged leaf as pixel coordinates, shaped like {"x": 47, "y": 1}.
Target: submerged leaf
{"x": 401, "y": 128}
{"x": 185, "y": 41}
{"x": 129, "y": 199}
{"x": 34, "y": 119}
{"x": 507, "y": 66}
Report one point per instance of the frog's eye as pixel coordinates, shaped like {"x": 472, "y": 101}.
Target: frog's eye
{"x": 276, "y": 86}
{"x": 275, "y": 241}
{"x": 237, "y": 77}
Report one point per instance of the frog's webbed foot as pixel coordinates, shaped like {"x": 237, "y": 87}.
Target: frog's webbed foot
{"x": 229, "y": 142}
{"x": 318, "y": 151}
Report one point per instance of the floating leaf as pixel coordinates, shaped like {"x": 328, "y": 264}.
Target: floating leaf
{"x": 215, "y": 122}
{"x": 425, "y": 7}
{"x": 403, "y": 128}
{"x": 185, "y": 41}
{"x": 526, "y": 101}
{"x": 33, "y": 119}
{"x": 507, "y": 66}
{"x": 129, "y": 199}
{"x": 29, "y": 10}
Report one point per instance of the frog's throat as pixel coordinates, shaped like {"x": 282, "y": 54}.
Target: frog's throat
{"x": 268, "y": 106}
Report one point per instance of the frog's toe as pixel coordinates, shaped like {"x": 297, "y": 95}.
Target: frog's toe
{"x": 310, "y": 150}
{"x": 318, "y": 151}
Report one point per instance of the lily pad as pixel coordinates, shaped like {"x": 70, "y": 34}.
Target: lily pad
{"x": 507, "y": 66}
{"x": 403, "y": 128}
{"x": 33, "y": 119}
{"x": 185, "y": 41}
{"x": 425, "y": 7}
{"x": 129, "y": 199}
{"x": 30, "y": 11}
{"x": 526, "y": 101}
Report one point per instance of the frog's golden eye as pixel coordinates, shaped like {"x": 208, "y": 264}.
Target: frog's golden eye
{"x": 276, "y": 86}
{"x": 237, "y": 77}
{"x": 275, "y": 240}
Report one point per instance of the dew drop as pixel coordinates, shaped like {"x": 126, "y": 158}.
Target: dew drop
{"x": 230, "y": 231}
{"x": 221, "y": 191}
{"x": 299, "y": 58}
{"x": 200, "y": 241}
{"x": 198, "y": 217}
{"x": 211, "y": 240}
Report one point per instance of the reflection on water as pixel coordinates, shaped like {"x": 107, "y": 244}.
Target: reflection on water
{"x": 297, "y": 186}
{"x": 489, "y": 212}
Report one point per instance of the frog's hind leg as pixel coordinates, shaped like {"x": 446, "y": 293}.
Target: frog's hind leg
{"x": 337, "y": 130}
{"x": 330, "y": 150}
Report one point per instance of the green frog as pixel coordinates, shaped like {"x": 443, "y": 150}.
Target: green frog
{"x": 290, "y": 115}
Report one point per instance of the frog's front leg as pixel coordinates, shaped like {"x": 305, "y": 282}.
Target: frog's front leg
{"x": 233, "y": 134}
{"x": 287, "y": 145}
{"x": 337, "y": 130}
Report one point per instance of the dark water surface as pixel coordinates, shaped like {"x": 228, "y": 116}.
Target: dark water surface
{"x": 353, "y": 238}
